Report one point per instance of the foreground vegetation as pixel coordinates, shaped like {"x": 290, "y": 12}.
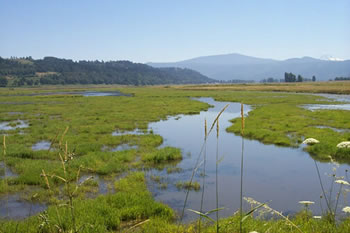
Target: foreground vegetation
{"x": 276, "y": 118}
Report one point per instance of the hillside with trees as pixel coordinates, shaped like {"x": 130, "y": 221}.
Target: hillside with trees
{"x": 51, "y": 70}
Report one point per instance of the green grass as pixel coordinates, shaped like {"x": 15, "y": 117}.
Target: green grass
{"x": 276, "y": 118}
{"x": 194, "y": 185}
{"x": 132, "y": 203}
{"x": 166, "y": 154}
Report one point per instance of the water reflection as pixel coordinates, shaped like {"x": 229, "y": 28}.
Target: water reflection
{"x": 18, "y": 124}
{"x": 83, "y": 93}
{"x": 332, "y": 98}
{"x": 5, "y": 171}
{"x": 279, "y": 176}
{"x": 13, "y": 207}
{"x": 42, "y": 145}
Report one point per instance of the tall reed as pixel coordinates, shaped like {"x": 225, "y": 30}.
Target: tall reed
{"x": 198, "y": 163}
{"x": 5, "y": 178}
{"x": 204, "y": 172}
{"x": 216, "y": 175}
{"x": 242, "y": 157}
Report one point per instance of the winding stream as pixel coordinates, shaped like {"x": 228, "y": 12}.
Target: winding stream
{"x": 279, "y": 176}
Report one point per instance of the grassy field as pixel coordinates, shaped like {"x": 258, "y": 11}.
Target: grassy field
{"x": 276, "y": 118}
{"x": 333, "y": 87}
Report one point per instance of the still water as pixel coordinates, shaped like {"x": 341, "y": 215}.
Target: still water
{"x": 279, "y": 176}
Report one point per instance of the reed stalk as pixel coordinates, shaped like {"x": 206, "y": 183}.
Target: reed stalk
{"x": 322, "y": 188}
{"x": 216, "y": 175}
{"x": 204, "y": 167}
{"x": 337, "y": 200}
{"x": 197, "y": 163}
{"x": 241, "y": 186}
{"x": 5, "y": 178}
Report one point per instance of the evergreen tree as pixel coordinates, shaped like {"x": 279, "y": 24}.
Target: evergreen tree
{"x": 3, "y": 82}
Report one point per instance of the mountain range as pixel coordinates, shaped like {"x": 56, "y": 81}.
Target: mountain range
{"x": 241, "y": 67}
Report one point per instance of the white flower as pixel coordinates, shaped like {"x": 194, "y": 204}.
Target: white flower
{"x": 310, "y": 141}
{"x": 317, "y": 217}
{"x": 306, "y": 202}
{"x": 346, "y": 209}
{"x": 344, "y": 144}
{"x": 342, "y": 182}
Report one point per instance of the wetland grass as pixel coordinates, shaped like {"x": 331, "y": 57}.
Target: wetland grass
{"x": 132, "y": 207}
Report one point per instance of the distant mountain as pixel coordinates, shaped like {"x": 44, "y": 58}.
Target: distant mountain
{"x": 240, "y": 67}
{"x": 51, "y": 70}
{"x": 328, "y": 57}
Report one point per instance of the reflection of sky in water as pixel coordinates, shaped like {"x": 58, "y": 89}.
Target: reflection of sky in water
{"x": 20, "y": 124}
{"x": 42, "y": 145}
{"x": 313, "y": 107}
{"x": 14, "y": 207}
{"x": 95, "y": 93}
{"x": 278, "y": 175}
{"x": 5, "y": 171}
{"x": 334, "y": 97}
{"x": 331, "y": 97}
{"x": 133, "y": 132}
{"x": 84, "y": 93}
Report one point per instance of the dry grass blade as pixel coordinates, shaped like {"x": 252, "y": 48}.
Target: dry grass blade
{"x": 217, "y": 117}
{"x": 46, "y": 179}
{"x": 59, "y": 177}
{"x": 137, "y": 225}
{"x": 53, "y": 141}
{"x": 64, "y": 133}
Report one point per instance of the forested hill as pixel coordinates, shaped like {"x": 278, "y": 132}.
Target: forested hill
{"x": 51, "y": 70}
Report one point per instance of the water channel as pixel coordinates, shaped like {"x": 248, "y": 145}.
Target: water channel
{"x": 279, "y": 176}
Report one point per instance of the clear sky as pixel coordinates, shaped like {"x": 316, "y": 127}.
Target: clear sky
{"x": 172, "y": 30}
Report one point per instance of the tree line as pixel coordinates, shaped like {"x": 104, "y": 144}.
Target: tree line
{"x": 342, "y": 79}
{"x": 290, "y": 77}
{"x": 51, "y": 70}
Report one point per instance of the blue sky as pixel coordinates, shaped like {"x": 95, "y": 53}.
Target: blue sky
{"x": 165, "y": 30}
